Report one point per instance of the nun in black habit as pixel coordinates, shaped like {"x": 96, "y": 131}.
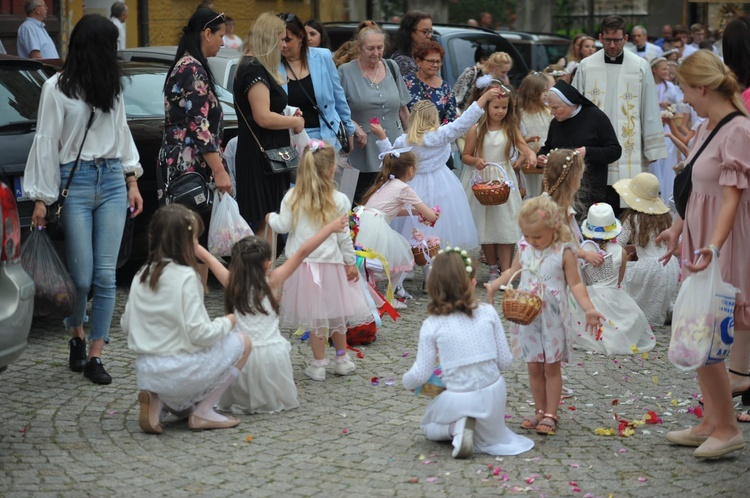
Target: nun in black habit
{"x": 580, "y": 125}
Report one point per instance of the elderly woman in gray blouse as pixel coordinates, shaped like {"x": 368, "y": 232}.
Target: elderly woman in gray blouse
{"x": 374, "y": 89}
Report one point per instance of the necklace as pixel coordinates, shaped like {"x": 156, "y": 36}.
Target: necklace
{"x": 371, "y": 80}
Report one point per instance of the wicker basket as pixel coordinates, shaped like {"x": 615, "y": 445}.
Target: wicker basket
{"x": 595, "y": 274}
{"x": 494, "y": 192}
{"x": 419, "y": 256}
{"x": 431, "y": 390}
{"x": 520, "y": 306}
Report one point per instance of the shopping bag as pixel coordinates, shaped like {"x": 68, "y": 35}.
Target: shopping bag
{"x": 55, "y": 294}
{"x": 346, "y": 177}
{"x": 703, "y": 320}
{"x": 227, "y": 226}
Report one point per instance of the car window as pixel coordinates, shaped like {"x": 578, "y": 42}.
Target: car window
{"x": 555, "y": 51}
{"x": 144, "y": 96}
{"x": 20, "y": 90}
{"x": 463, "y": 47}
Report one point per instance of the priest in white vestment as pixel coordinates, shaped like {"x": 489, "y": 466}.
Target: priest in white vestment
{"x": 621, "y": 84}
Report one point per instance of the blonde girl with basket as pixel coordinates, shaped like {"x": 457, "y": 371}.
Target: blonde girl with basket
{"x": 473, "y": 354}
{"x": 535, "y": 117}
{"x": 626, "y": 330}
{"x": 434, "y": 183}
{"x": 322, "y": 295}
{"x": 546, "y": 254}
{"x": 652, "y": 285}
{"x": 489, "y": 147}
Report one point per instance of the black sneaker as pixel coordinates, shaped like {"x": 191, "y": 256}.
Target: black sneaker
{"x": 77, "y": 360}
{"x": 94, "y": 371}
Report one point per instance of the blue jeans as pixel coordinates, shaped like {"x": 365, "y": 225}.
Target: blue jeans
{"x": 93, "y": 216}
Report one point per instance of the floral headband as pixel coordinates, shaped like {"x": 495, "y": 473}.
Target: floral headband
{"x": 566, "y": 169}
{"x": 316, "y": 145}
{"x": 461, "y": 252}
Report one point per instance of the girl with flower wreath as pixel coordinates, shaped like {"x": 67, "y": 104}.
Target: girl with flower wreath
{"x": 473, "y": 354}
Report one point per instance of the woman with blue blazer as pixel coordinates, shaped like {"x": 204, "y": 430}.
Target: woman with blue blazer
{"x": 314, "y": 86}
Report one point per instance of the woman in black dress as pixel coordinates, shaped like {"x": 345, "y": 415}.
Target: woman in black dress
{"x": 580, "y": 125}
{"x": 260, "y": 104}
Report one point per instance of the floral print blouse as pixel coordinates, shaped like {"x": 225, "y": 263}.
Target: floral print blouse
{"x": 442, "y": 97}
{"x": 193, "y": 122}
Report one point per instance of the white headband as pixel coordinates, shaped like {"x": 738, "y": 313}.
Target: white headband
{"x": 394, "y": 152}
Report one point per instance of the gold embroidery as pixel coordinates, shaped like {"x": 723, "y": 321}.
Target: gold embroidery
{"x": 628, "y": 128}
{"x": 595, "y": 94}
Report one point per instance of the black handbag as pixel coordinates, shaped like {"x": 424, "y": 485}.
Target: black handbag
{"x": 191, "y": 190}
{"x": 341, "y": 135}
{"x": 54, "y": 226}
{"x": 683, "y": 182}
{"x": 278, "y": 160}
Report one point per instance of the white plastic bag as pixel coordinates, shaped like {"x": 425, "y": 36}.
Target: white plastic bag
{"x": 298, "y": 140}
{"x": 227, "y": 225}
{"x": 703, "y": 320}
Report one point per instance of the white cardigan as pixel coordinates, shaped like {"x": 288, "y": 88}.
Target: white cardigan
{"x": 173, "y": 319}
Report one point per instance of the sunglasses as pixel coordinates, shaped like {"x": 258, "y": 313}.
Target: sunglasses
{"x": 220, "y": 16}
{"x": 287, "y": 17}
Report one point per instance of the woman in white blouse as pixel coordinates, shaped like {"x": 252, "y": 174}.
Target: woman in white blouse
{"x": 87, "y": 93}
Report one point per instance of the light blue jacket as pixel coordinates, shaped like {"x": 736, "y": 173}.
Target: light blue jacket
{"x": 329, "y": 95}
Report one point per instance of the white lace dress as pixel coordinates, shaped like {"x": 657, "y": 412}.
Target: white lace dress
{"x": 266, "y": 383}
{"x": 625, "y": 330}
{"x": 436, "y": 185}
{"x": 535, "y": 125}
{"x": 651, "y": 284}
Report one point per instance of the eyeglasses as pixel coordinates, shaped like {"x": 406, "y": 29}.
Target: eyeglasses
{"x": 612, "y": 41}
{"x": 220, "y": 16}
{"x": 433, "y": 62}
{"x": 426, "y": 32}
{"x": 287, "y": 17}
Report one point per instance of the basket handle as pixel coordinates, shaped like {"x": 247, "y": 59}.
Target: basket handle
{"x": 513, "y": 277}
{"x": 498, "y": 166}
{"x": 596, "y": 246}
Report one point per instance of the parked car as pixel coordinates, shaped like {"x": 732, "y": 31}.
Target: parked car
{"x": 223, "y": 65}
{"x": 16, "y": 287}
{"x": 459, "y": 42}
{"x": 539, "y": 50}
{"x": 21, "y": 83}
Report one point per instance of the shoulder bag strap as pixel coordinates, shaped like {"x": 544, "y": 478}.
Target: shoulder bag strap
{"x": 393, "y": 73}
{"x": 64, "y": 193}
{"x": 721, "y": 123}
{"x": 242, "y": 114}
{"x": 307, "y": 95}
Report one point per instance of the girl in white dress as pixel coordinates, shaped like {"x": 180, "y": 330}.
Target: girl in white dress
{"x": 668, "y": 95}
{"x": 323, "y": 294}
{"x": 626, "y": 329}
{"x": 434, "y": 183}
{"x": 473, "y": 353}
{"x": 493, "y": 140}
{"x": 266, "y": 383}
{"x": 535, "y": 119}
{"x": 388, "y": 198}
{"x": 650, "y": 283}
{"x": 546, "y": 254}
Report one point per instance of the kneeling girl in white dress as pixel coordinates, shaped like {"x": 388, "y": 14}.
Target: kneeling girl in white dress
{"x": 650, "y": 283}
{"x": 434, "y": 183}
{"x": 626, "y": 330}
{"x": 473, "y": 352}
{"x": 266, "y": 383}
{"x": 388, "y": 198}
{"x": 184, "y": 360}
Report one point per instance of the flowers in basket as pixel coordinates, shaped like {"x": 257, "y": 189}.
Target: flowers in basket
{"x": 424, "y": 248}
{"x": 669, "y": 111}
{"x": 353, "y": 226}
{"x": 424, "y": 221}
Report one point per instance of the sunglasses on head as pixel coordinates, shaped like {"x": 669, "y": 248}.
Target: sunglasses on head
{"x": 220, "y": 16}
{"x": 287, "y": 17}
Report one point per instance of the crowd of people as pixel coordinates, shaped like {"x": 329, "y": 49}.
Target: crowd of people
{"x": 582, "y": 153}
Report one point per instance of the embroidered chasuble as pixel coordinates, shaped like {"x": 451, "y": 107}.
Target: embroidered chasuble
{"x": 627, "y": 94}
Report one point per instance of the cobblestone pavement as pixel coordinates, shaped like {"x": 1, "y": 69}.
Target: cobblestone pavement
{"x": 60, "y": 435}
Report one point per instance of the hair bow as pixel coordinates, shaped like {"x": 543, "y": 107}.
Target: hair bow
{"x": 394, "y": 152}
{"x": 315, "y": 145}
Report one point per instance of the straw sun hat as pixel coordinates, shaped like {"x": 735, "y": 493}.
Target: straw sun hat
{"x": 641, "y": 193}
{"x": 601, "y": 223}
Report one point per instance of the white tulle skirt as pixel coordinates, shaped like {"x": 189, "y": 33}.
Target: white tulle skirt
{"x": 183, "y": 380}
{"x": 375, "y": 233}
